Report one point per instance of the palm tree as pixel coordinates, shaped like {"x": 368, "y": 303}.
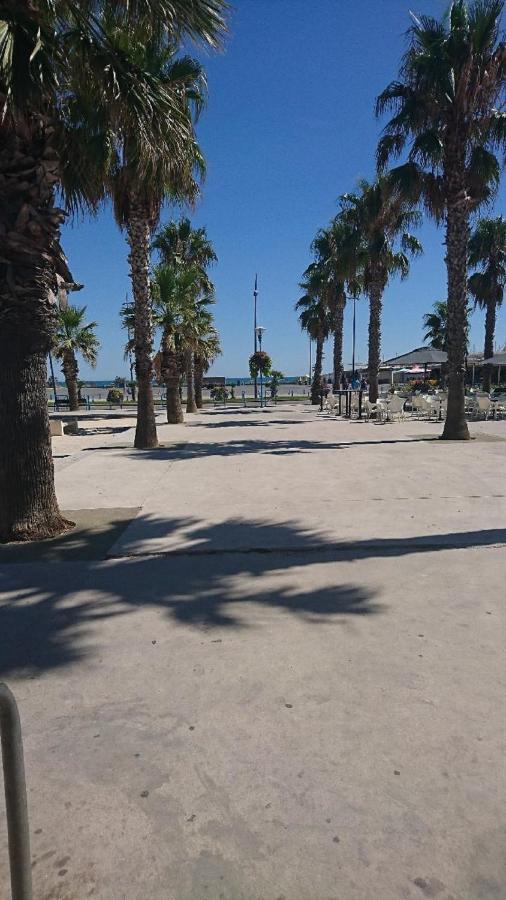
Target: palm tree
{"x": 207, "y": 350}
{"x": 436, "y": 325}
{"x": 182, "y": 314}
{"x": 379, "y": 216}
{"x": 178, "y": 243}
{"x": 445, "y": 115}
{"x": 314, "y": 318}
{"x": 74, "y": 336}
{"x": 487, "y": 252}
{"x": 59, "y": 69}
{"x": 327, "y": 248}
{"x": 138, "y": 193}
{"x": 186, "y": 248}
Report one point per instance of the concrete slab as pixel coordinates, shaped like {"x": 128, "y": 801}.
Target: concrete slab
{"x": 95, "y": 532}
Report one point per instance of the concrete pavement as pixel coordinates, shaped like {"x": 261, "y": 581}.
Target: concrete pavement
{"x": 277, "y": 672}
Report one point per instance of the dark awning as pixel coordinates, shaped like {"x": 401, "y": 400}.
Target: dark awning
{"x": 421, "y": 356}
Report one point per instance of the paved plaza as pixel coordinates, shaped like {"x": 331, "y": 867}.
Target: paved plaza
{"x": 268, "y": 664}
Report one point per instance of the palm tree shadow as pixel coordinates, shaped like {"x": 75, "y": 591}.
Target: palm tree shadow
{"x": 50, "y": 616}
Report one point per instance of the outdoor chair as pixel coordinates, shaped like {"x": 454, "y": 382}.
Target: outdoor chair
{"x": 369, "y": 408}
{"x": 421, "y": 407}
{"x": 396, "y": 408}
{"x": 483, "y": 407}
{"x": 330, "y": 403}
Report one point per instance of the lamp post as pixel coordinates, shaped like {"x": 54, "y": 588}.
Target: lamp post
{"x": 354, "y": 332}
{"x": 255, "y": 295}
{"x": 259, "y": 334}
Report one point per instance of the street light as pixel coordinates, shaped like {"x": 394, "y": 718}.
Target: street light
{"x": 259, "y": 334}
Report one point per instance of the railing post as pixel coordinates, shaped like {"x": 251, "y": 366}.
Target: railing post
{"x": 15, "y": 797}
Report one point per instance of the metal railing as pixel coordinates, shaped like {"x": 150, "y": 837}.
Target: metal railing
{"x": 15, "y": 796}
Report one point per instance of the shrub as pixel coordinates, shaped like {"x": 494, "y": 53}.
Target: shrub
{"x": 219, "y": 393}
{"x": 114, "y": 395}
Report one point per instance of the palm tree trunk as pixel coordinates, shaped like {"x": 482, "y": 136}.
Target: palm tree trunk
{"x": 171, "y": 375}
{"x": 138, "y": 235}
{"x": 191, "y": 406}
{"x": 28, "y": 506}
{"x": 317, "y": 373}
{"x": 174, "y": 407}
{"x": 457, "y": 237}
{"x": 338, "y": 341}
{"x": 489, "y": 343}
{"x": 71, "y": 371}
{"x": 30, "y": 229}
{"x": 199, "y": 379}
{"x": 375, "y": 304}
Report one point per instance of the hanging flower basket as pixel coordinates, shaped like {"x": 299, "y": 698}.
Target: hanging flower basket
{"x": 260, "y": 363}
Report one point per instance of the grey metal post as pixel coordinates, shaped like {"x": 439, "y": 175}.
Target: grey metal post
{"x": 255, "y": 295}
{"x": 15, "y": 797}
{"x": 53, "y": 380}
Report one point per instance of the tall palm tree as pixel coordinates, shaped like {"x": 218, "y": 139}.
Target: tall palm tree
{"x": 380, "y": 217}
{"x": 138, "y": 193}
{"x": 487, "y": 253}
{"x": 326, "y": 247}
{"x": 58, "y": 70}
{"x": 436, "y": 325}
{"x": 446, "y": 116}
{"x": 74, "y": 336}
{"x": 314, "y": 318}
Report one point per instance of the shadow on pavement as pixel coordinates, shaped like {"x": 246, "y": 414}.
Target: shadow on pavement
{"x": 48, "y": 614}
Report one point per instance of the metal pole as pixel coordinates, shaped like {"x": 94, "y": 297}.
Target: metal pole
{"x": 310, "y": 362}
{"x": 52, "y": 379}
{"x": 354, "y": 333}
{"x": 255, "y": 295}
{"x": 15, "y": 797}
{"x": 261, "y": 374}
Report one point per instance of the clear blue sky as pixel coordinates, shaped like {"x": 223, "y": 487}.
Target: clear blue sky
{"x": 289, "y": 126}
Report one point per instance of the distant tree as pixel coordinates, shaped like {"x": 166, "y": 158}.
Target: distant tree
{"x": 73, "y": 337}
{"x": 436, "y": 325}
{"x": 315, "y": 319}
{"x": 487, "y": 253}
{"x": 381, "y": 218}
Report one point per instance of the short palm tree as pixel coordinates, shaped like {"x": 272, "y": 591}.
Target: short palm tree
{"x": 207, "y": 350}
{"x": 447, "y": 116}
{"x": 315, "y": 319}
{"x": 185, "y": 248}
{"x": 74, "y": 336}
{"x": 436, "y": 325}
{"x": 60, "y": 70}
{"x": 380, "y": 217}
{"x": 487, "y": 253}
{"x": 178, "y": 243}
{"x": 181, "y": 313}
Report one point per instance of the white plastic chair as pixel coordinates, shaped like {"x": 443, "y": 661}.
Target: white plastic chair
{"x": 421, "y": 407}
{"x": 482, "y": 407}
{"x": 330, "y": 403}
{"x": 396, "y": 407}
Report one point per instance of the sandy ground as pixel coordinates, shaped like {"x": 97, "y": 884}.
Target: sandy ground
{"x": 268, "y": 663}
